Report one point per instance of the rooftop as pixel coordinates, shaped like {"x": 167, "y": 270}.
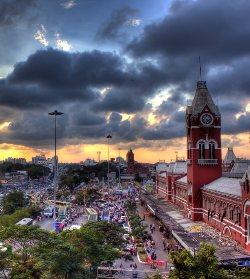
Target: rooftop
{"x": 177, "y": 167}
{"x": 247, "y": 174}
{"x": 183, "y": 179}
{"x": 225, "y": 186}
{"x": 230, "y": 156}
{"x": 201, "y": 99}
{"x": 240, "y": 166}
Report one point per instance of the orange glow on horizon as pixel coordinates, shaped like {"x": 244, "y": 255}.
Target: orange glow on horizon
{"x": 160, "y": 150}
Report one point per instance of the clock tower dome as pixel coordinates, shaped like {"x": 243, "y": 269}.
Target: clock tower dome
{"x": 203, "y": 123}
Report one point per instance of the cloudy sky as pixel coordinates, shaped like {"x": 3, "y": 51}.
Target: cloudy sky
{"x": 125, "y": 67}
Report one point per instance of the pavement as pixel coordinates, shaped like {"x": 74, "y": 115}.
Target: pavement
{"x": 191, "y": 234}
{"x": 160, "y": 253}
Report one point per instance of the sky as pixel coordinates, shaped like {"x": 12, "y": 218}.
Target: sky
{"x": 122, "y": 67}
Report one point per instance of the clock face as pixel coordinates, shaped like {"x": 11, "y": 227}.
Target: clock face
{"x": 207, "y": 119}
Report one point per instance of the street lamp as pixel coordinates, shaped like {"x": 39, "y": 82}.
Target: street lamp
{"x": 119, "y": 167}
{"x": 108, "y": 137}
{"x": 55, "y": 114}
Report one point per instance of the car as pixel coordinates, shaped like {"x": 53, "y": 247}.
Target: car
{"x": 126, "y": 227}
{"x": 135, "y": 274}
{"x": 126, "y": 236}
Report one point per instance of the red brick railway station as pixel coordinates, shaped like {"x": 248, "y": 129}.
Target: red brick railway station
{"x": 206, "y": 188}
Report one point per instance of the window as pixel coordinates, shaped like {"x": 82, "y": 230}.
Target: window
{"x": 238, "y": 218}
{"x": 201, "y": 150}
{"x": 212, "y": 150}
{"x": 231, "y": 213}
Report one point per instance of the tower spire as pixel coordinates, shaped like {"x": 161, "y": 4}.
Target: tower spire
{"x": 200, "y": 68}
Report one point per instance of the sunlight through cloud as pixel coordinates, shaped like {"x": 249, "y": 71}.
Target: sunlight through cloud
{"x": 40, "y": 35}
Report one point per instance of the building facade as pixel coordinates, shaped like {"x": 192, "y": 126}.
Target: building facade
{"x": 209, "y": 190}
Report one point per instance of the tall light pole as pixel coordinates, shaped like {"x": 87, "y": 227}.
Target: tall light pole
{"x": 119, "y": 167}
{"x": 55, "y": 114}
{"x": 108, "y": 137}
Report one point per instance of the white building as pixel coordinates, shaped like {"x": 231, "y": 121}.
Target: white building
{"x": 89, "y": 162}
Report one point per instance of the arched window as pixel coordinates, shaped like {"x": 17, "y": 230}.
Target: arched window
{"x": 202, "y": 150}
{"x": 212, "y": 150}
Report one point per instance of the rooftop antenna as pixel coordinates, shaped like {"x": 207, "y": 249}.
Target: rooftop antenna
{"x": 98, "y": 156}
{"x": 200, "y": 68}
{"x": 176, "y": 155}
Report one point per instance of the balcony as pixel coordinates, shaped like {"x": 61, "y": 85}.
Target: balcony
{"x": 207, "y": 161}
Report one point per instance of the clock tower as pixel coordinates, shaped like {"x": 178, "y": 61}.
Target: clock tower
{"x": 203, "y": 123}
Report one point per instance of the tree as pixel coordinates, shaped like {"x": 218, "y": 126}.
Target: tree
{"x": 11, "y": 219}
{"x": 89, "y": 195}
{"x": 5, "y": 253}
{"x": 24, "y": 240}
{"x": 203, "y": 265}
{"x": 13, "y": 201}
{"x": 97, "y": 242}
{"x": 69, "y": 181}
{"x": 155, "y": 276}
{"x": 72, "y": 254}
{"x": 37, "y": 171}
{"x": 61, "y": 259}
{"x": 34, "y": 171}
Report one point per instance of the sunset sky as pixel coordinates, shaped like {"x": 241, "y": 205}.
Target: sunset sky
{"x": 124, "y": 67}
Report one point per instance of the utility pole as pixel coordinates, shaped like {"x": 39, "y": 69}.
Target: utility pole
{"x": 55, "y": 114}
{"x": 108, "y": 137}
{"x": 176, "y": 155}
{"x": 98, "y": 156}
{"x": 119, "y": 167}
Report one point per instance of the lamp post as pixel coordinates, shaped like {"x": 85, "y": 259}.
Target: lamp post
{"x": 108, "y": 137}
{"x": 55, "y": 114}
{"x": 119, "y": 167}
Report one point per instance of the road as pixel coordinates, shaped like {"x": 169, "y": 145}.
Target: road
{"x": 47, "y": 223}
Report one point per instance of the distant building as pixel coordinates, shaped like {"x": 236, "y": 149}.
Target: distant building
{"x": 43, "y": 161}
{"x": 21, "y": 161}
{"x": 130, "y": 162}
{"x": 134, "y": 167}
{"x": 229, "y": 160}
{"x": 39, "y": 160}
{"x": 89, "y": 162}
{"x": 161, "y": 167}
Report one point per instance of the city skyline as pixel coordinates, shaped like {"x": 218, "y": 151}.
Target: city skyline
{"x": 122, "y": 67}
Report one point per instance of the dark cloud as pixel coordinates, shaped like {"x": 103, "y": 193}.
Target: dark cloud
{"x": 94, "y": 88}
{"x": 113, "y": 28}
{"x": 54, "y": 68}
{"x": 213, "y": 29}
{"x": 13, "y": 11}
{"x": 52, "y": 76}
{"x": 173, "y": 103}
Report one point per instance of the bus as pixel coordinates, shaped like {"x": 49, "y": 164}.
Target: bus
{"x": 63, "y": 213}
{"x": 48, "y": 211}
{"x": 25, "y": 222}
{"x": 92, "y": 214}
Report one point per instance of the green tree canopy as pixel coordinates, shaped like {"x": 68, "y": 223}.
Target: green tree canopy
{"x": 203, "y": 265}
{"x": 89, "y": 195}
{"x": 72, "y": 254}
{"x": 13, "y": 201}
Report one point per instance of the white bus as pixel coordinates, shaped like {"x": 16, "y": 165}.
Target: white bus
{"x": 92, "y": 214}
{"x": 48, "y": 211}
{"x": 25, "y": 222}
